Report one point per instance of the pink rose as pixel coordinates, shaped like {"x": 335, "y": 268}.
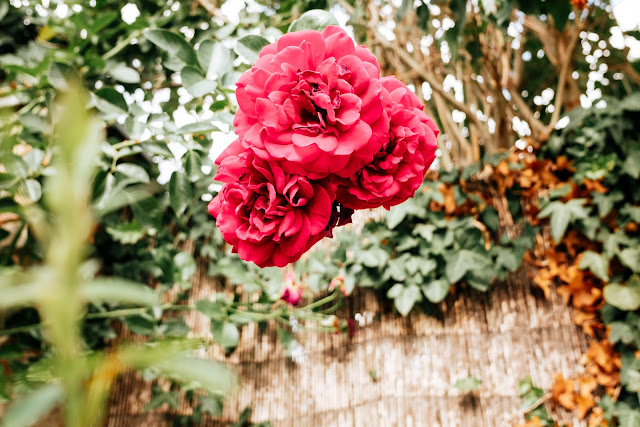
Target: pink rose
{"x": 269, "y": 217}
{"x": 313, "y": 104}
{"x": 292, "y": 291}
{"x": 398, "y": 168}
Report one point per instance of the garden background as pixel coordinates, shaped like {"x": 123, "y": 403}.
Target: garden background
{"x": 504, "y": 293}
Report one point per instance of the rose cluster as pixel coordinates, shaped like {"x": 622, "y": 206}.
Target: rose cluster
{"x": 320, "y": 134}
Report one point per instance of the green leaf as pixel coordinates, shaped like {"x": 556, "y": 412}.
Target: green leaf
{"x": 396, "y": 215}
{"x": 123, "y": 73}
{"x": 407, "y": 298}
{"x": 436, "y": 291}
{"x": 250, "y": 46}
{"x": 179, "y": 192}
{"x": 625, "y": 298}
{"x": 141, "y": 325}
{"x": 134, "y": 171}
{"x": 198, "y": 128}
{"x": 30, "y": 408}
{"x": 193, "y": 165}
{"x": 214, "y": 58}
{"x": 186, "y": 265}
{"x": 598, "y": 264}
{"x": 508, "y": 258}
{"x": 210, "y": 375}
{"x": 57, "y": 75}
{"x": 212, "y": 309}
{"x": 211, "y": 405}
{"x": 195, "y": 83}
{"x": 177, "y": 48}
{"x": 36, "y": 123}
{"x": 313, "y": 20}
{"x": 225, "y": 333}
{"x": 161, "y": 398}
{"x": 395, "y": 291}
{"x": 632, "y": 163}
{"x": 373, "y": 257}
{"x": 289, "y": 343}
{"x": 19, "y": 295}
{"x": 562, "y": 214}
{"x": 606, "y": 202}
{"x": 560, "y": 11}
{"x": 116, "y": 290}
{"x": 127, "y": 233}
{"x": 468, "y": 384}
{"x": 621, "y": 332}
{"x": 30, "y": 190}
{"x": 110, "y": 101}
{"x": 459, "y": 263}
{"x": 631, "y": 258}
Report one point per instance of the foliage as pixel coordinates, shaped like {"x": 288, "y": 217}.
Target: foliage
{"x": 58, "y": 288}
{"x": 596, "y": 257}
{"x": 448, "y": 233}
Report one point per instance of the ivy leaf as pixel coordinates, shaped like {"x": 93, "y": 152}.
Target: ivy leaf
{"x": 459, "y": 263}
{"x": 625, "y": 298}
{"x": 598, "y": 264}
{"x": 250, "y": 46}
{"x": 606, "y": 202}
{"x": 161, "y": 398}
{"x": 406, "y": 298}
{"x": 313, "y": 20}
{"x": 436, "y": 291}
{"x": 632, "y": 163}
{"x": 396, "y": 215}
{"x": 211, "y": 405}
{"x": 179, "y": 51}
{"x": 373, "y": 257}
{"x": 631, "y": 258}
{"x": 562, "y": 214}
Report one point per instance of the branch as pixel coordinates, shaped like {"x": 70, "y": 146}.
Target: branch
{"x": 567, "y": 59}
{"x": 433, "y": 82}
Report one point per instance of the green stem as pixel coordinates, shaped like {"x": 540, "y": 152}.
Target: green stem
{"x": 125, "y": 144}
{"x": 19, "y": 329}
{"x": 320, "y": 302}
{"x": 121, "y": 45}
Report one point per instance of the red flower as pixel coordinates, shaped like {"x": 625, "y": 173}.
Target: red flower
{"x": 398, "y": 168}
{"x": 313, "y": 104}
{"x": 269, "y": 217}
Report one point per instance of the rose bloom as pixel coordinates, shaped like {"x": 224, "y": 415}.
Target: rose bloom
{"x": 313, "y": 104}
{"x": 398, "y": 168}
{"x": 291, "y": 291}
{"x": 269, "y": 217}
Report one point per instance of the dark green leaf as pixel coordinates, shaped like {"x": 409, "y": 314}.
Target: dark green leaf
{"x": 250, "y": 46}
